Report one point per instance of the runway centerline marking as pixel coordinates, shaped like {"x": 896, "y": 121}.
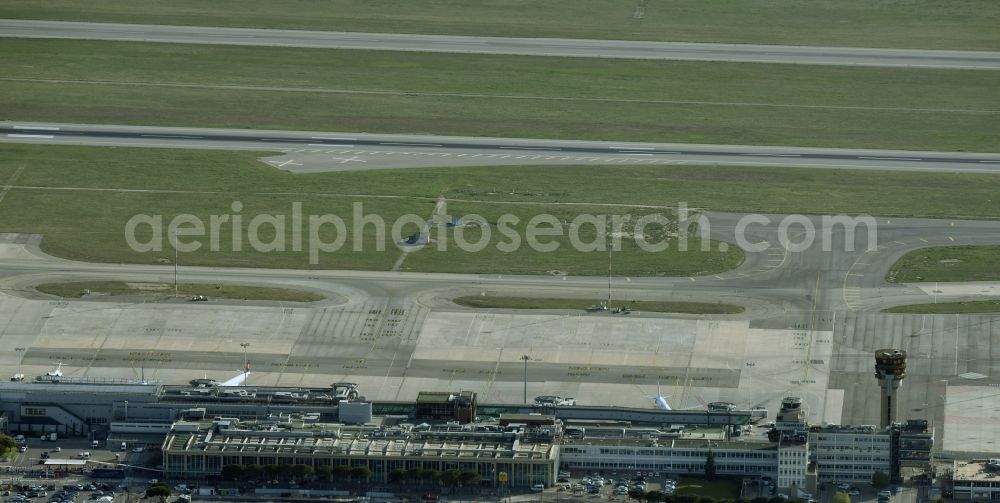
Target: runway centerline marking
{"x": 345, "y": 160}
{"x": 35, "y": 136}
{"x": 290, "y": 162}
{"x": 402, "y": 144}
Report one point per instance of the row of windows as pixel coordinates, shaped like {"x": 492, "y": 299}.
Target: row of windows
{"x": 856, "y": 459}
{"x": 35, "y": 412}
{"x": 676, "y": 453}
{"x": 854, "y": 466}
{"x": 212, "y": 464}
{"x": 668, "y": 467}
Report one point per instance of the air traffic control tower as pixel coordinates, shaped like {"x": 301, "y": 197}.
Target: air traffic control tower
{"x": 890, "y": 369}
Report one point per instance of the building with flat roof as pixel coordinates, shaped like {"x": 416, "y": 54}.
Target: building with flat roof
{"x": 849, "y": 453}
{"x": 977, "y": 480}
{"x": 200, "y": 449}
{"x": 645, "y": 448}
{"x": 459, "y": 406}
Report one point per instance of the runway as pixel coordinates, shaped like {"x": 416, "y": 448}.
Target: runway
{"x": 313, "y": 151}
{"x": 582, "y": 48}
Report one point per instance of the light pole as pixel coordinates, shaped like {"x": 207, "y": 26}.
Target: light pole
{"x": 20, "y": 357}
{"x": 246, "y": 363}
{"x": 525, "y": 358}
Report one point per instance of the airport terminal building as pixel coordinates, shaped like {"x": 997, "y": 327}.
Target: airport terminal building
{"x": 527, "y": 454}
{"x": 202, "y": 428}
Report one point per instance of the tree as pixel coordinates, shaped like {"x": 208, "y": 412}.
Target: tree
{"x": 323, "y": 473}
{"x": 158, "y": 490}
{"x": 341, "y": 472}
{"x": 302, "y": 472}
{"x": 880, "y": 480}
{"x": 450, "y": 477}
{"x": 415, "y": 474}
{"x": 710, "y": 465}
{"x": 637, "y": 494}
{"x": 841, "y": 497}
{"x": 468, "y": 478}
{"x": 253, "y": 472}
{"x": 774, "y": 435}
{"x": 398, "y": 475}
{"x": 233, "y": 472}
{"x": 706, "y": 499}
{"x": 655, "y": 496}
{"x": 7, "y": 445}
{"x": 283, "y": 471}
{"x": 361, "y": 473}
{"x": 430, "y": 475}
{"x": 759, "y": 499}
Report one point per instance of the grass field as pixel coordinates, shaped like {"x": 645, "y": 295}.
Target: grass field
{"x": 228, "y": 175}
{"x": 392, "y": 92}
{"x": 486, "y": 302}
{"x": 80, "y": 199}
{"x": 955, "y": 24}
{"x": 969, "y": 307}
{"x": 110, "y": 186}
{"x": 213, "y": 291}
{"x": 719, "y": 489}
{"x": 949, "y": 263}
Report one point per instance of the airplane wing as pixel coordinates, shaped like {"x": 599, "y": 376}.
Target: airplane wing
{"x": 238, "y": 380}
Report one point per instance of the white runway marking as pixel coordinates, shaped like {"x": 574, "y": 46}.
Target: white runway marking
{"x": 290, "y": 162}
{"x": 532, "y": 148}
{"x": 333, "y": 138}
{"x": 890, "y": 158}
{"x": 344, "y": 160}
{"x": 40, "y": 128}
{"x": 172, "y": 136}
{"x": 37, "y": 136}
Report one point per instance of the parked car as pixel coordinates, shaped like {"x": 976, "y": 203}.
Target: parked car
{"x": 537, "y": 488}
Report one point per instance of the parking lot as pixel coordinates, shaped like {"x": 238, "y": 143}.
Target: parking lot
{"x": 609, "y": 484}
{"x": 27, "y": 478}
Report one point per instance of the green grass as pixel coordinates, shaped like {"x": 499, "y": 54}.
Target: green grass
{"x": 89, "y": 224}
{"x": 968, "y": 307}
{"x": 968, "y": 24}
{"x": 949, "y": 263}
{"x": 719, "y": 488}
{"x": 213, "y": 291}
{"x": 487, "y": 302}
{"x": 456, "y": 94}
{"x": 239, "y": 175}
{"x": 110, "y": 185}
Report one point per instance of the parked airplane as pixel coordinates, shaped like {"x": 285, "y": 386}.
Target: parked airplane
{"x": 239, "y": 379}
{"x": 55, "y": 373}
{"x": 660, "y": 400}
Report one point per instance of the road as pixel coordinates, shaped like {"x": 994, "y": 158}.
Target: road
{"x": 357, "y": 151}
{"x": 970, "y": 60}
